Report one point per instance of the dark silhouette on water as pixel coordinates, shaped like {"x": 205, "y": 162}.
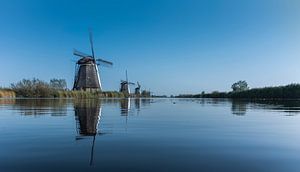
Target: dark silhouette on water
{"x": 137, "y": 103}
{"x": 125, "y": 106}
{"x": 87, "y": 115}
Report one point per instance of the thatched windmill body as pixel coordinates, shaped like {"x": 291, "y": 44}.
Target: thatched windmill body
{"x": 87, "y": 72}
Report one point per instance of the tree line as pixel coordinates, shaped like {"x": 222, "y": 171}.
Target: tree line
{"x": 241, "y": 90}
{"x": 38, "y": 88}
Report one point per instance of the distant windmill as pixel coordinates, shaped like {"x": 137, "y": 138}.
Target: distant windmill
{"x": 125, "y": 85}
{"x": 138, "y": 89}
{"x": 86, "y": 70}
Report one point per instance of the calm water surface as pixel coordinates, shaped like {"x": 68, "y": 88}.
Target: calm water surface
{"x": 149, "y": 135}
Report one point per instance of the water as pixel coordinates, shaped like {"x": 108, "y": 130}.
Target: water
{"x": 149, "y": 135}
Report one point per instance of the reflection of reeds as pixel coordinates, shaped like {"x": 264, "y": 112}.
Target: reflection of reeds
{"x": 55, "y": 107}
{"x": 87, "y": 94}
{"x": 7, "y": 94}
{"x": 8, "y": 101}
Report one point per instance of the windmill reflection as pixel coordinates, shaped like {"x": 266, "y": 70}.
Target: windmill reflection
{"x": 146, "y": 102}
{"x": 125, "y": 106}
{"x": 137, "y": 103}
{"x": 87, "y": 115}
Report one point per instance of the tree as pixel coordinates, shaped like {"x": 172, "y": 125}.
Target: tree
{"x": 145, "y": 93}
{"x": 240, "y": 86}
{"x": 32, "y": 88}
{"x": 58, "y": 84}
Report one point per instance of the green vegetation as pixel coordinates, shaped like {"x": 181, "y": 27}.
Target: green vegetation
{"x": 58, "y": 84}
{"x": 56, "y": 88}
{"x": 291, "y": 91}
{"x": 145, "y": 93}
{"x": 240, "y": 86}
{"x": 33, "y": 88}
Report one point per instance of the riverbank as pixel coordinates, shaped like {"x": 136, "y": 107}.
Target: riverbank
{"x": 9, "y": 93}
{"x": 291, "y": 91}
{"x": 57, "y": 88}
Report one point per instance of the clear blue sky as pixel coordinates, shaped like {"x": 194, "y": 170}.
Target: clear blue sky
{"x": 170, "y": 46}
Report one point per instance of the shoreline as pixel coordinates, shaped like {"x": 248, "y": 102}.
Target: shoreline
{"x": 59, "y": 94}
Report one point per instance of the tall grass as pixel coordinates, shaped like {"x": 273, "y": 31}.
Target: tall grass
{"x": 56, "y": 88}
{"x": 7, "y": 93}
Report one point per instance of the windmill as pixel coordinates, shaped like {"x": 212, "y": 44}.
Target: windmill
{"x": 86, "y": 70}
{"x": 137, "y": 90}
{"x": 125, "y": 85}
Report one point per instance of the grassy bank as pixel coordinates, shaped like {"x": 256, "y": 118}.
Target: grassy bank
{"x": 291, "y": 91}
{"x": 56, "y": 88}
{"x": 7, "y": 93}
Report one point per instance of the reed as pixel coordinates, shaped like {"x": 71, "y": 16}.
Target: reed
{"x": 7, "y": 93}
{"x": 56, "y": 88}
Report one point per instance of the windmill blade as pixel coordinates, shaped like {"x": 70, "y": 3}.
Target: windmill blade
{"x": 131, "y": 83}
{"x": 126, "y": 77}
{"x": 104, "y": 62}
{"x": 80, "y": 54}
{"x": 91, "y": 42}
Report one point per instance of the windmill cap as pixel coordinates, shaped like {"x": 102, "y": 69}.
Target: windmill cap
{"x": 86, "y": 60}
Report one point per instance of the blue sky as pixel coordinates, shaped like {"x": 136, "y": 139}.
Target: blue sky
{"x": 170, "y": 46}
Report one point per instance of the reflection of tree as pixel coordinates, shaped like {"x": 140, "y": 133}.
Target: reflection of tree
{"x": 292, "y": 107}
{"x": 239, "y": 107}
{"x": 146, "y": 101}
{"x": 7, "y": 101}
{"x": 55, "y": 107}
